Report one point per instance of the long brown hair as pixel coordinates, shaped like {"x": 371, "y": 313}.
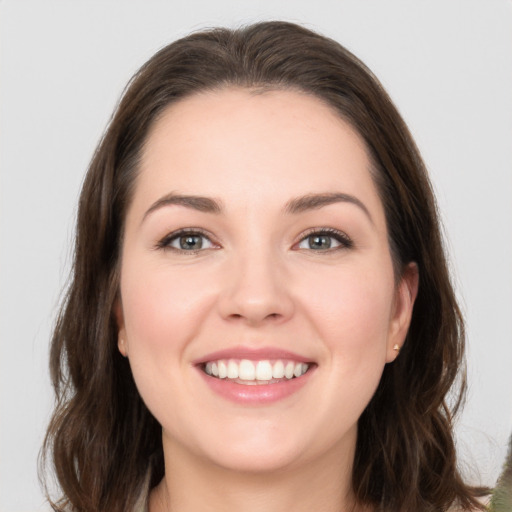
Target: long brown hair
{"x": 102, "y": 439}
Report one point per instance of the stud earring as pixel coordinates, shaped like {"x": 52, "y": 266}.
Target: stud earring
{"x": 396, "y": 348}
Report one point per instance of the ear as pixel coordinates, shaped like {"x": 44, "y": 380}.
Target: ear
{"x": 122, "y": 343}
{"x": 405, "y": 296}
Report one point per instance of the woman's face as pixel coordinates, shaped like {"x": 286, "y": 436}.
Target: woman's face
{"x": 256, "y": 247}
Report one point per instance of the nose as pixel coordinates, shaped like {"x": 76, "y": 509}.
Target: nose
{"x": 256, "y": 291}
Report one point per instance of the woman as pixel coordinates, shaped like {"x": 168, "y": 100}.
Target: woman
{"x": 260, "y": 314}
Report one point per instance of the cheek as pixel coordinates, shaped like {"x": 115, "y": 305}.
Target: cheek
{"x": 162, "y": 313}
{"x": 353, "y": 309}
{"x": 161, "y": 308}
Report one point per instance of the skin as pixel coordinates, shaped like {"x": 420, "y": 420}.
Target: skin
{"x": 258, "y": 282}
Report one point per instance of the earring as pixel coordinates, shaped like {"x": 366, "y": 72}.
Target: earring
{"x": 396, "y": 348}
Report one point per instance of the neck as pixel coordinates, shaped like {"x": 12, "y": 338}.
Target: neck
{"x": 192, "y": 485}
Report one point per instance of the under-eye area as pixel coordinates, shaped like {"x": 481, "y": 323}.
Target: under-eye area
{"x": 245, "y": 371}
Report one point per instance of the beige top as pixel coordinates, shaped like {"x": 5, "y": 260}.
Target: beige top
{"x": 142, "y": 504}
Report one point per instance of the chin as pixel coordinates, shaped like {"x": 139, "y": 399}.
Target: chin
{"x": 265, "y": 460}
{"x": 242, "y": 446}
{"x": 270, "y": 448}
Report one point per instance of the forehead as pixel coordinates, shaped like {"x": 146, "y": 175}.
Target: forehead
{"x": 242, "y": 145}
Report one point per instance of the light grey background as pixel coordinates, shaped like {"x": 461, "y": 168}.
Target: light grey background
{"x": 446, "y": 63}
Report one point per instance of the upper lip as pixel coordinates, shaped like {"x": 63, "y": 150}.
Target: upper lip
{"x": 254, "y": 354}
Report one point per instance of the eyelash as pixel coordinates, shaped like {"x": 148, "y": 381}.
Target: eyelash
{"x": 345, "y": 242}
{"x": 342, "y": 238}
{"x": 165, "y": 243}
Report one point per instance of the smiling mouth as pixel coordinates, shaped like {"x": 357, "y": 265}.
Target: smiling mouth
{"x": 261, "y": 372}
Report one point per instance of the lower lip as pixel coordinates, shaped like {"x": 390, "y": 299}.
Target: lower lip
{"x": 255, "y": 394}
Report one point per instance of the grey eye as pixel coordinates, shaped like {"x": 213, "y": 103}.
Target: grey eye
{"x": 190, "y": 242}
{"x": 319, "y": 242}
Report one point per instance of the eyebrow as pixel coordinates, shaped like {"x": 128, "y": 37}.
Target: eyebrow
{"x": 199, "y": 203}
{"x": 316, "y": 201}
{"x": 294, "y": 206}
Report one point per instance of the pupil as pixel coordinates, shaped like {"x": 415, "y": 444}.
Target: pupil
{"x": 190, "y": 242}
{"x": 320, "y": 242}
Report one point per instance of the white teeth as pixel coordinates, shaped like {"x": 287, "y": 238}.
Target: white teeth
{"x": 278, "y": 370}
{"x": 255, "y": 371}
{"x": 263, "y": 370}
{"x": 296, "y": 371}
{"x": 232, "y": 370}
{"x": 223, "y": 369}
{"x": 288, "y": 371}
{"x": 246, "y": 370}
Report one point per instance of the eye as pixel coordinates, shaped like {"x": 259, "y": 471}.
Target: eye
{"x": 186, "y": 241}
{"x": 325, "y": 240}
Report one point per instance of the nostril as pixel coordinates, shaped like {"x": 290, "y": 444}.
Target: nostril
{"x": 269, "y": 316}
